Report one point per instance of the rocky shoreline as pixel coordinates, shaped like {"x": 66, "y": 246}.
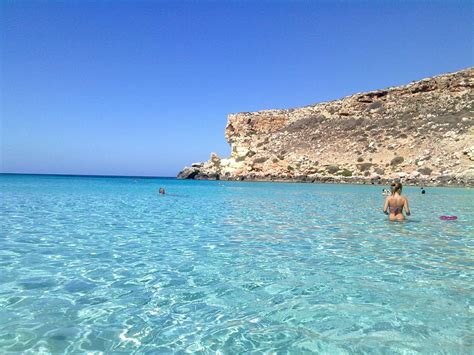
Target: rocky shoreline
{"x": 420, "y": 134}
{"x": 441, "y": 181}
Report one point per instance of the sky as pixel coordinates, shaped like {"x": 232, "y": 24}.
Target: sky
{"x": 144, "y": 88}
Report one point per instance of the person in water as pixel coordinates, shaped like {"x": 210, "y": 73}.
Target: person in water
{"x": 423, "y": 191}
{"x": 386, "y": 192}
{"x": 162, "y": 191}
{"x": 395, "y": 204}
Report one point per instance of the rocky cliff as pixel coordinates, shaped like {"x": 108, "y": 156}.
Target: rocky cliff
{"x": 419, "y": 133}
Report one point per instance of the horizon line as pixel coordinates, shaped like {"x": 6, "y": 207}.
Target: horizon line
{"x": 94, "y": 175}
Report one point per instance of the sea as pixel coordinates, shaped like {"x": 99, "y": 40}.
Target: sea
{"x": 108, "y": 265}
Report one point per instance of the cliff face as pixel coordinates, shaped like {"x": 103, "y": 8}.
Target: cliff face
{"x": 420, "y": 133}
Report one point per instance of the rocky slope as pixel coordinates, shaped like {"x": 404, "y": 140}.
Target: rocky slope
{"x": 419, "y": 133}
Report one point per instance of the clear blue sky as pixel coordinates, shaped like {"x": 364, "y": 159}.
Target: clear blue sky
{"x": 144, "y": 87}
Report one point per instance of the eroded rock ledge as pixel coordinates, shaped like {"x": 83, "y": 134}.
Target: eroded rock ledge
{"x": 420, "y": 133}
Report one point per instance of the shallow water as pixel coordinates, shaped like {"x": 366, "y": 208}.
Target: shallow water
{"x": 106, "y": 264}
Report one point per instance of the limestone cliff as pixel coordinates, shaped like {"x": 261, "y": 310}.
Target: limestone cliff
{"x": 420, "y": 133}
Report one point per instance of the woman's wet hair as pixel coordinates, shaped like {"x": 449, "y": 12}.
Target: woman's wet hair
{"x": 396, "y": 187}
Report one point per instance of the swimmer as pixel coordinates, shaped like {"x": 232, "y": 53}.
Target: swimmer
{"x": 395, "y": 204}
{"x": 423, "y": 190}
{"x": 162, "y": 191}
{"x": 386, "y": 192}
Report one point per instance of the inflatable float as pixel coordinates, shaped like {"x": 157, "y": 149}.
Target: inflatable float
{"x": 448, "y": 218}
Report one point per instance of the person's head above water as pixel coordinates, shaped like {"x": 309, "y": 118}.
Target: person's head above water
{"x": 162, "y": 191}
{"x": 397, "y": 188}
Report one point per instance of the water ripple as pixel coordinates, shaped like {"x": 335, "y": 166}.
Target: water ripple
{"x": 108, "y": 265}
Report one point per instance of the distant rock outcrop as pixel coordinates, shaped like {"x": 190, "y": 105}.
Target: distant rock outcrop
{"x": 419, "y": 133}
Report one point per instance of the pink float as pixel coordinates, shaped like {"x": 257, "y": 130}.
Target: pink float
{"x": 448, "y": 218}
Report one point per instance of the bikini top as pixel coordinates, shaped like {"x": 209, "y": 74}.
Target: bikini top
{"x": 395, "y": 210}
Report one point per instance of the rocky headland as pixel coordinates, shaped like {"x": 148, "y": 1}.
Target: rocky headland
{"x": 420, "y": 133}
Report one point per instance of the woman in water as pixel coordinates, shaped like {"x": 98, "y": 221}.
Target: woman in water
{"x": 395, "y": 204}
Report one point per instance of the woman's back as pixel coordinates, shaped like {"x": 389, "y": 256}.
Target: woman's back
{"x": 395, "y": 204}
{"x": 396, "y": 201}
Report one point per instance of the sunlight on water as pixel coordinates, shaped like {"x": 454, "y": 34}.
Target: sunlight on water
{"x": 106, "y": 264}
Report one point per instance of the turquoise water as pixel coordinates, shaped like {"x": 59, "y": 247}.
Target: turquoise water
{"x": 106, "y": 264}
